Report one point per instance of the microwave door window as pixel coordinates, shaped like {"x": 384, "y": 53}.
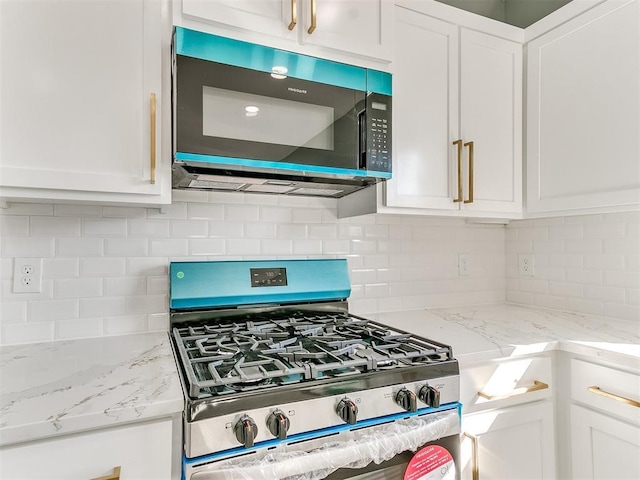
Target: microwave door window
{"x": 262, "y": 119}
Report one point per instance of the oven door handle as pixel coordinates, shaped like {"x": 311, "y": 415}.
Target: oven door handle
{"x": 377, "y": 446}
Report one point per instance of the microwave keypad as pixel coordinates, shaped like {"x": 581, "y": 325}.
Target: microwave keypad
{"x": 379, "y": 145}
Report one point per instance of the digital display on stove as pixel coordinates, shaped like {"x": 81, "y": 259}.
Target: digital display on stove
{"x": 268, "y": 277}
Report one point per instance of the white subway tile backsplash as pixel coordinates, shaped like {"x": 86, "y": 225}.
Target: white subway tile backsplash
{"x": 125, "y": 286}
{"x": 169, "y": 247}
{"x": 126, "y": 247}
{"x": 102, "y": 267}
{"x": 27, "y": 247}
{"x": 77, "y": 210}
{"x": 83, "y": 247}
{"x": 78, "y": 328}
{"x": 48, "y": 310}
{"x": 104, "y": 227}
{"x": 14, "y": 225}
{"x": 123, "y": 325}
{"x": 209, "y": 246}
{"x": 77, "y": 287}
{"x": 16, "y": 333}
{"x": 149, "y": 228}
{"x": 589, "y": 264}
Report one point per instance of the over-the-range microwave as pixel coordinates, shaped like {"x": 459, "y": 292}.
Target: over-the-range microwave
{"x": 256, "y": 119}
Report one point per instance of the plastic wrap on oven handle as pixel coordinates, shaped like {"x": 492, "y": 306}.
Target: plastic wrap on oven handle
{"x": 382, "y": 444}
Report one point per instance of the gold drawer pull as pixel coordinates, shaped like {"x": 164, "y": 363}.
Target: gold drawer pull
{"x": 518, "y": 391}
{"x": 475, "y": 464}
{"x": 598, "y": 391}
{"x": 112, "y": 476}
{"x": 294, "y": 15}
{"x": 313, "y": 25}
{"x": 470, "y": 145}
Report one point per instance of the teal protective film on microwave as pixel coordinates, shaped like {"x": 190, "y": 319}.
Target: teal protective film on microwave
{"x": 378, "y": 82}
{"x": 206, "y": 46}
{"x": 229, "y": 283}
{"x": 294, "y": 167}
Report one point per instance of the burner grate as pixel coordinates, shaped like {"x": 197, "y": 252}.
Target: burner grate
{"x": 227, "y": 357}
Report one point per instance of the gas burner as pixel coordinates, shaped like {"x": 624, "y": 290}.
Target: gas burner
{"x": 233, "y": 355}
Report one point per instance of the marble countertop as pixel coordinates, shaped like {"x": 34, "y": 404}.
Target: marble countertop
{"x": 56, "y": 388}
{"x": 61, "y": 387}
{"x": 483, "y": 332}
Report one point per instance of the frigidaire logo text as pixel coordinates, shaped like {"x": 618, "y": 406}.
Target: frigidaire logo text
{"x": 296, "y": 90}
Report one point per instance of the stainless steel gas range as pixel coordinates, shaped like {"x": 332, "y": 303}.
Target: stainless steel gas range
{"x": 282, "y": 382}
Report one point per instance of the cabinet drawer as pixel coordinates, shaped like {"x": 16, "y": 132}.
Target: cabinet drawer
{"x": 505, "y": 382}
{"x": 143, "y": 451}
{"x": 609, "y": 389}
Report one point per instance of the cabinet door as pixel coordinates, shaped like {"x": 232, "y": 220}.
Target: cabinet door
{"x": 491, "y": 118}
{"x": 603, "y": 448}
{"x": 583, "y": 112}
{"x": 75, "y": 99}
{"x": 143, "y": 451}
{"x": 355, "y": 26}
{"x": 511, "y": 443}
{"x": 425, "y": 118}
{"x": 271, "y": 17}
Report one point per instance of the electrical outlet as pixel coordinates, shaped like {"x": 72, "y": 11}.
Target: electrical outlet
{"x": 525, "y": 265}
{"x": 464, "y": 264}
{"x": 27, "y": 275}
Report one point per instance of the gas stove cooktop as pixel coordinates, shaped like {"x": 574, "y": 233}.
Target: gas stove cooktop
{"x": 230, "y": 356}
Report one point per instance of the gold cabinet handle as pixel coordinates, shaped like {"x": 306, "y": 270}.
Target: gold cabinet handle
{"x": 152, "y": 175}
{"x": 475, "y": 464}
{"x": 470, "y": 145}
{"x": 459, "y": 197}
{"x": 294, "y": 15}
{"x": 313, "y": 25}
{"x": 598, "y": 391}
{"x": 518, "y": 391}
{"x": 112, "y": 476}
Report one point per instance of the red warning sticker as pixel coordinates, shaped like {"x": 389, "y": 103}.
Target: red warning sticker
{"x": 431, "y": 463}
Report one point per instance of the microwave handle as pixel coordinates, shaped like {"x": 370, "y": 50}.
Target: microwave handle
{"x": 362, "y": 139}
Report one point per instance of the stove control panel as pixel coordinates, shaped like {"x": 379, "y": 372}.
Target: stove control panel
{"x": 282, "y": 420}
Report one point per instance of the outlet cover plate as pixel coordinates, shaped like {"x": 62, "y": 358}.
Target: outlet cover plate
{"x": 27, "y": 275}
{"x": 525, "y": 265}
{"x": 464, "y": 264}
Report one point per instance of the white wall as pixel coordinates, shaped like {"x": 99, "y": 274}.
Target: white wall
{"x": 587, "y": 263}
{"x": 105, "y": 268}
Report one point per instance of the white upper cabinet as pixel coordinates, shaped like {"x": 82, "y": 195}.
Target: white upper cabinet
{"x": 77, "y": 82}
{"x": 583, "y": 113}
{"x": 457, "y": 120}
{"x": 355, "y": 27}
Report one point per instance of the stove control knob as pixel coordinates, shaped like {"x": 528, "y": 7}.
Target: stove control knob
{"x": 347, "y": 411}
{"x": 430, "y": 395}
{"x": 407, "y": 400}
{"x": 278, "y": 424}
{"x": 246, "y": 431}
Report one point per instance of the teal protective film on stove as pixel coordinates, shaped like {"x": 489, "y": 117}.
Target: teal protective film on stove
{"x": 199, "y": 285}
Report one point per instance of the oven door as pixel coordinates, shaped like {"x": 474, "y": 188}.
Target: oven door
{"x": 423, "y": 446}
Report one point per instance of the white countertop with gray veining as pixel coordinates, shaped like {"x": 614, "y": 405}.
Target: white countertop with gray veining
{"x": 56, "y": 388}
{"x": 483, "y": 332}
{"x": 62, "y": 387}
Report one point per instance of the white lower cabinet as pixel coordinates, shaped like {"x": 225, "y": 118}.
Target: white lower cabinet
{"x": 139, "y": 451}
{"x": 508, "y": 423}
{"x": 605, "y": 422}
{"x": 510, "y": 443}
{"x": 602, "y": 447}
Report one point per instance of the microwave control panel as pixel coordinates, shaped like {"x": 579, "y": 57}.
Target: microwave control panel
{"x": 379, "y": 132}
